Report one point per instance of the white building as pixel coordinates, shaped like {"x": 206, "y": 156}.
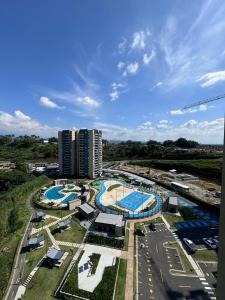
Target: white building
{"x": 80, "y": 153}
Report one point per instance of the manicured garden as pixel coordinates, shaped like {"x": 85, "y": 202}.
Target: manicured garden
{"x": 45, "y": 282}
{"x": 104, "y": 241}
{"x": 121, "y": 280}
{"x": 113, "y": 186}
{"x": 104, "y": 290}
{"x": 74, "y": 234}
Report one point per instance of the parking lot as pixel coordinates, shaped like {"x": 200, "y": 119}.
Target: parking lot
{"x": 155, "y": 268}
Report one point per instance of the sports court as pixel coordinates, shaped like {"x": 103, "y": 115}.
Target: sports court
{"x": 133, "y": 201}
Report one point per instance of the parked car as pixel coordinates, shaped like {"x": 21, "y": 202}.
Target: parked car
{"x": 209, "y": 242}
{"x": 139, "y": 232}
{"x": 142, "y": 245}
{"x": 192, "y": 248}
{"x": 152, "y": 227}
{"x": 216, "y": 241}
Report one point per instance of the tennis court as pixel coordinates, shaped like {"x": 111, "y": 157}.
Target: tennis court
{"x": 133, "y": 201}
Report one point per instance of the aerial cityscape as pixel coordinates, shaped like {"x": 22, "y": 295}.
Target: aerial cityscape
{"x": 112, "y": 169}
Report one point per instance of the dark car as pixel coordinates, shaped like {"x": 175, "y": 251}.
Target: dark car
{"x": 139, "y": 232}
{"x": 152, "y": 227}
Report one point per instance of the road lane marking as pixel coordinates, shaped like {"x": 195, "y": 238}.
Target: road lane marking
{"x": 184, "y": 286}
{"x": 205, "y": 283}
{"x": 161, "y": 275}
{"x": 156, "y": 248}
{"x": 202, "y": 278}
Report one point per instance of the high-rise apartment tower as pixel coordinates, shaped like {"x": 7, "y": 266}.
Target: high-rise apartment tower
{"x": 80, "y": 153}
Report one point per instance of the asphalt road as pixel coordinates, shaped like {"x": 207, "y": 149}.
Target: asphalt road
{"x": 19, "y": 267}
{"x": 155, "y": 280}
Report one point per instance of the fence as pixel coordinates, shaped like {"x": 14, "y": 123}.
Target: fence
{"x": 128, "y": 215}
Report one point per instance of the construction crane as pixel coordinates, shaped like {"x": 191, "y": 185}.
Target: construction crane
{"x": 204, "y": 101}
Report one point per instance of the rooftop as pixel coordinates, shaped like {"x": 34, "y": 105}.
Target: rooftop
{"x": 64, "y": 223}
{"x": 110, "y": 219}
{"x": 36, "y": 240}
{"x": 173, "y": 200}
{"x": 55, "y": 254}
{"x": 87, "y": 208}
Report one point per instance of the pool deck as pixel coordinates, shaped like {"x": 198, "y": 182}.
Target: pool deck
{"x": 59, "y": 202}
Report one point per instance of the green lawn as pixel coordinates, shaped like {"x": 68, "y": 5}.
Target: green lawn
{"x": 205, "y": 255}
{"x": 171, "y": 219}
{"x": 33, "y": 257}
{"x": 113, "y": 186}
{"x": 42, "y": 224}
{"x": 74, "y": 235}
{"x": 126, "y": 238}
{"x": 121, "y": 280}
{"x": 45, "y": 282}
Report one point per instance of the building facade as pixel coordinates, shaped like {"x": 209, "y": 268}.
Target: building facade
{"x": 80, "y": 153}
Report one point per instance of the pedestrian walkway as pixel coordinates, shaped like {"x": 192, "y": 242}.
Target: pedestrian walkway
{"x": 62, "y": 243}
{"x": 32, "y": 273}
{"x": 130, "y": 264}
{"x": 54, "y": 242}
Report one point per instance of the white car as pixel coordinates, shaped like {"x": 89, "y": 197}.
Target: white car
{"x": 216, "y": 241}
{"x": 190, "y": 245}
{"x": 209, "y": 242}
{"x": 142, "y": 245}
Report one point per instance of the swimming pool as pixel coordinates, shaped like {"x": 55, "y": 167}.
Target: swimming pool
{"x": 133, "y": 201}
{"x": 54, "y": 193}
{"x": 69, "y": 198}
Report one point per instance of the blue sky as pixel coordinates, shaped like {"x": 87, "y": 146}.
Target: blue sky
{"x": 126, "y": 67}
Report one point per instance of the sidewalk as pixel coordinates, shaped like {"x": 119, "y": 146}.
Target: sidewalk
{"x": 130, "y": 264}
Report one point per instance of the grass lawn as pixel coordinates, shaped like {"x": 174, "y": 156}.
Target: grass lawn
{"x": 113, "y": 186}
{"x": 60, "y": 213}
{"x": 33, "y": 257}
{"x": 171, "y": 219}
{"x": 42, "y": 224}
{"x": 45, "y": 282}
{"x": 74, "y": 235}
{"x": 186, "y": 263}
{"x": 126, "y": 238}
{"x": 206, "y": 255}
{"x": 121, "y": 280}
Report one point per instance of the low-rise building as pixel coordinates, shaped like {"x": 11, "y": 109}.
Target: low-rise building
{"x": 64, "y": 225}
{"x": 172, "y": 204}
{"x": 110, "y": 223}
{"x": 55, "y": 257}
{"x": 40, "y": 216}
{"x": 35, "y": 243}
{"x": 86, "y": 210}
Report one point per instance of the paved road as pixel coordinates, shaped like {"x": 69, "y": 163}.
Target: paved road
{"x": 20, "y": 265}
{"x": 154, "y": 277}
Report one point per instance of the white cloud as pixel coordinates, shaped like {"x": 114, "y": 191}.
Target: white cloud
{"x": 131, "y": 69}
{"x": 148, "y": 58}
{"x": 122, "y": 46}
{"x": 138, "y": 40}
{"x": 117, "y": 89}
{"x": 211, "y": 78}
{"x": 120, "y": 65}
{"x": 19, "y": 123}
{"x": 200, "y": 108}
{"x": 163, "y": 124}
{"x": 145, "y": 126}
{"x": 45, "y": 101}
{"x": 190, "y": 123}
{"x": 203, "y": 132}
{"x": 185, "y": 58}
{"x": 87, "y": 101}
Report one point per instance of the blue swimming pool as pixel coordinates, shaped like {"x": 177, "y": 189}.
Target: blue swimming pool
{"x": 69, "y": 198}
{"x": 133, "y": 201}
{"x": 54, "y": 193}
